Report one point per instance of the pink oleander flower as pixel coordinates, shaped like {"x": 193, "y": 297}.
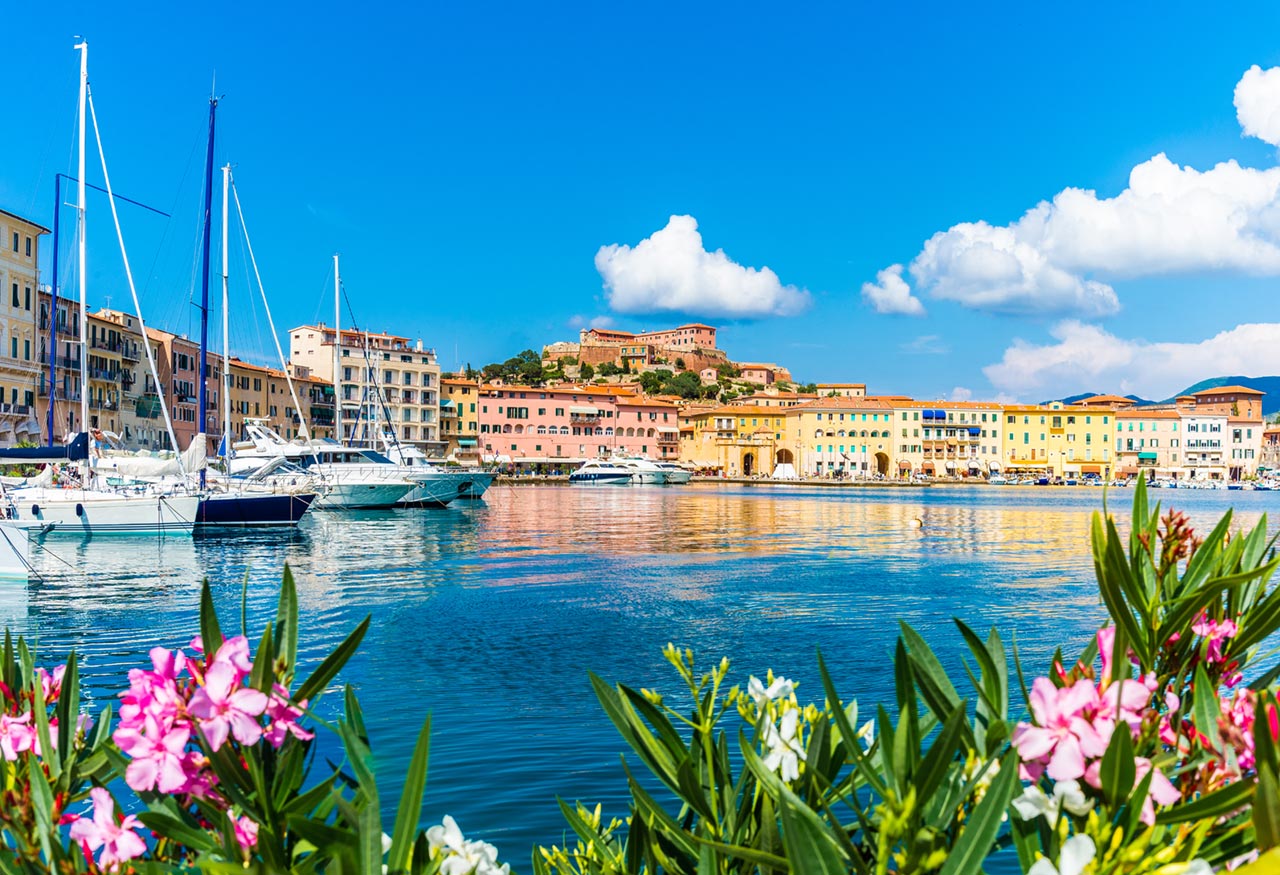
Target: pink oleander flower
{"x": 154, "y": 694}
{"x": 118, "y": 841}
{"x": 1161, "y": 790}
{"x": 1214, "y": 633}
{"x": 246, "y": 832}
{"x": 1062, "y": 736}
{"x": 223, "y": 709}
{"x": 157, "y": 756}
{"x": 236, "y": 652}
{"x": 284, "y": 718}
{"x": 16, "y": 735}
{"x": 51, "y": 684}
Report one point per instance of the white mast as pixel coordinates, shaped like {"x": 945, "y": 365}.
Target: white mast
{"x": 226, "y": 343}
{"x": 337, "y": 351}
{"x": 83, "y": 46}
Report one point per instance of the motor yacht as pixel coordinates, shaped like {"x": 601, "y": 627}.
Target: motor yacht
{"x": 599, "y": 472}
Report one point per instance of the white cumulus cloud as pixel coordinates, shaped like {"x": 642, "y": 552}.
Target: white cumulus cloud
{"x": 891, "y": 294}
{"x": 1257, "y": 100}
{"x": 1085, "y": 357}
{"x": 1062, "y": 256}
{"x": 671, "y": 271}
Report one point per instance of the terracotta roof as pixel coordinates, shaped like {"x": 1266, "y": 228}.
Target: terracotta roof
{"x": 1227, "y": 390}
{"x": 1101, "y": 399}
{"x": 958, "y": 405}
{"x": 1140, "y": 413}
{"x": 843, "y": 403}
{"x": 41, "y": 228}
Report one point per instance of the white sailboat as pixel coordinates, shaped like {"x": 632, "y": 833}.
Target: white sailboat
{"x": 83, "y": 510}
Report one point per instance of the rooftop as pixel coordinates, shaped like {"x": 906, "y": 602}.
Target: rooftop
{"x": 1227, "y": 390}
{"x": 41, "y": 228}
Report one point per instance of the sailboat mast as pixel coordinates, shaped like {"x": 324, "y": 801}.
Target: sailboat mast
{"x": 53, "y": 304}
{"x": 202, "y": 392}
{"x": 226, "y": 342}
{"x": 83, "y": 46}
{"x": 337, "y": 351}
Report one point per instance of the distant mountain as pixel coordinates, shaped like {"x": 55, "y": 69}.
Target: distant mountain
{"x": 1270, "y": 385}
{"x": 1072, "y": 399}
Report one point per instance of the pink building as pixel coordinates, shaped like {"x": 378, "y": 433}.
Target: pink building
{"x": 570, "y": 424}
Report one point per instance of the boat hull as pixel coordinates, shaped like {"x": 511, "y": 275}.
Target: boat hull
{"x": 435, "y": 489}
{"x": 76, "y": 513}
{"x": 363, "y": 496}
{"x": 600, "y": 479}
{"x": 249, "y": 510}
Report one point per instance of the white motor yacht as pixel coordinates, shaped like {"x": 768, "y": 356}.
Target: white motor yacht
{"x": 644, "y": 471}
{"x": 598, "y": 472}
{"x": 435, "y": 480}
{"x": 676, "y": 475}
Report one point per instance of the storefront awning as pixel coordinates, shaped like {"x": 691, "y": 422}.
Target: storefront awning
{"x": 466, "y": 442}
{"x": 904, "y": 466}
{"x": 585, "y": 411}
{"x": 1090, "y": 469}
{"x": 994, "y": 466}
{"x": 1147, "y": 456}
{"x": 927, "y": 467}
{"x": 447, "y": 402}
{"x": 667, "y": 429}
{"x": 951, "y": 466}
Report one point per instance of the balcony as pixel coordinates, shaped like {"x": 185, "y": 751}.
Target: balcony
{"x": 105, "y": 344}
{"x": 62, "y": 361}
{"x": 130, "y": 353}
{"x": 103, "y": 404}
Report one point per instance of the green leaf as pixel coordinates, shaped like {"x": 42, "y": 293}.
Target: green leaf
{"x": 983, "y": 824}
{"x": 210, "y": 631}
{"x": 260, "y": 674}
{"x": 409, "y": 812}
{"x": 172, "y": 828}
{"x": 1118, "y": 769}
{"x": 935, "y": 687}
{"x": 1205, "y": 708}
{"x": 1211, "y": 805}
{"x": 1266, "y": 808}
{"x": 68, "y": 708}
{"x": 810, "y": 845}
{"x": 332, "y": 664}
{"x": 287, "y": 624}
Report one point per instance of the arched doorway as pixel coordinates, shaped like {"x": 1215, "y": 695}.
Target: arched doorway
{"x": 882, "y": 463}
{"x": 785, "y": 457}
{"x": 748, "y": 464}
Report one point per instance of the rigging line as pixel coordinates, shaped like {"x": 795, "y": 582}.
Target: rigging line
{"x": 164, "y": 408}
{"x": 119, "y": 197}
{"x": 306, "y": 429}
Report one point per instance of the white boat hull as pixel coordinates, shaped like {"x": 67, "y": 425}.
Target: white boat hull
{"x": 15, "y": 552}
{"x": 77, "y": 512}
{"x": 356, "y": 495}
{"x": 436, "y": 489}
{"x": 649, "y": 478}
{"x": 600, "y": 479}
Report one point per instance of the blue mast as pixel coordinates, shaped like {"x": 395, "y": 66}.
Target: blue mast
{"x": 53, "y": 303}
{"x": 202, "y": 417}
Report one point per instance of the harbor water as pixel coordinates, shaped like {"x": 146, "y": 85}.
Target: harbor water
{"x": 489, "y": 614}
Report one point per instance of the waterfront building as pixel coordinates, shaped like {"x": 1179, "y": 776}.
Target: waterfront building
{"x": 316, "y": 397}
{"x": 1058, "y": 440}
{"x": 554, "y": 427}
{"x": 141, "y": 420}
{"x": 772, "y": 397}
{"x": 764, "y": 375}
{"x": 460, "y": 419}
{"x": 843, "y": 390}
{"x": 1203, "y": 442}
{"x": 105, "y": 361}
{"x": 378, "y": 371}
{"x": 1239, "y": 402}
{"x": 1269, "y": 456}
{"x": 737, "y": 440}
{"x": 843, "y": 436}
{"x": 65, "y": 361}
{"x": 20, "y": 369}
{"x": 947, "y": 438}
{"x": 1243, "y": 447}
{"x": 1149, "y": 441}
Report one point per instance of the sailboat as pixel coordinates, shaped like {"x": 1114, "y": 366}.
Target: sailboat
{"x": 247, "y": 505}
{"x": 73, "y": 506}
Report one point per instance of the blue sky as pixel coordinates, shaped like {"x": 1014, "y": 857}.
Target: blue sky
{"x": 469, "y": 162}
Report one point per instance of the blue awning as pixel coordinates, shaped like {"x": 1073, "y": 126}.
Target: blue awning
{"x": 466, "y": 442}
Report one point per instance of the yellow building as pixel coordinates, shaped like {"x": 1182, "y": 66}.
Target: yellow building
{"x": 105, "y": 373}
{"x": 947, "y": 438}
{"x": 739, "y": 440}
{"x": 842, "y": 436}
{"x": 20, "y": 371}
{"x": 459, "y": 421}
{"x": 1058, "y": 440}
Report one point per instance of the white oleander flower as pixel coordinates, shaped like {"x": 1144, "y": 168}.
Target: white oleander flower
{"x": 781, "y": 688}
{"x": 1067, "y": 795}
{"x": 462, "y": 857}
{"x": 785, "y": 751}
{"x": 1077, "y": 852}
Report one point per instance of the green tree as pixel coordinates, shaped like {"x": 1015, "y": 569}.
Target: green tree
{"x": 586, "y": 372}
{"x": 608, "y": 369}
{"x": 680, "y": 365}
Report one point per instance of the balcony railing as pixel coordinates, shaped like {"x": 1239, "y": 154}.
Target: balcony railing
{"x": 130, "y": 353}
{"x": 62, "y": 361}
{"x": 104, "y": 404}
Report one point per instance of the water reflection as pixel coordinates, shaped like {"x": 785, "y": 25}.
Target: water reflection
{"x": 489, "y": 614}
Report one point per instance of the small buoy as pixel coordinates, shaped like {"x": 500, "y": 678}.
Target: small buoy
{"x": 79, "y": 510}
{"x": 917, "y": 523}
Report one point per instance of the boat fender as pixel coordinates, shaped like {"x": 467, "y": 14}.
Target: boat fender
{"x": 79, "y": 509}
{"x": 35, "y": 510}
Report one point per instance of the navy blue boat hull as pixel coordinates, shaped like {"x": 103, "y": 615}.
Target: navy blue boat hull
{"x": 253, "y": 510}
